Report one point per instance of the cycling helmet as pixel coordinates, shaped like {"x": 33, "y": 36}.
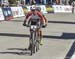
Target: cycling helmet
{"x": 38, "y": 8}
{"x": 33, "y": 7}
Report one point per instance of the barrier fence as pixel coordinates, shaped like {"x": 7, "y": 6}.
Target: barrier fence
{"x": 7, "y": 13}
{"x": 53, "y": 8}
{"x": 1, "y": 14}
{"x": 17, "y": 11}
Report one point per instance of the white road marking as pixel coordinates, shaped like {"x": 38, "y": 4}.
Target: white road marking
{"x": 73, "y": 57}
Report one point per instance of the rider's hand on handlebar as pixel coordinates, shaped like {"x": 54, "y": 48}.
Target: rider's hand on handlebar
{"x": 24, "y": 24}
{"x": 44, "y": 25}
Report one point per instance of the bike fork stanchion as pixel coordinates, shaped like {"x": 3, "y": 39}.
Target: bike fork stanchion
{"x": 37, "y": 45}
{"x": 73, "y": 7}
{"x": 37, "y": 42}
{"x": 32, "y": 43}
{"x": 34, "y": 39}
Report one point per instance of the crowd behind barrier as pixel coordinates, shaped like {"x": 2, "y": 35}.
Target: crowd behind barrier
{"x": 44, "y": 2}
{"x": 8, "y": 13}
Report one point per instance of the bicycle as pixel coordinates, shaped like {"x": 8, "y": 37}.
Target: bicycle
{"x": 34, "y": 35}
{"x": 35, "y": 26}
{"x": 34, "y": 41}
{"x": 73, "y": 6}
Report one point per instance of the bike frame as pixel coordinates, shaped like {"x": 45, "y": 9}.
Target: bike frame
{"x": 34, "y": 38}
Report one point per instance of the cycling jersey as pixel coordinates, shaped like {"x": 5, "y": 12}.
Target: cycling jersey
{"x": 43, "y": 16}
{"x": 37, "y": 13}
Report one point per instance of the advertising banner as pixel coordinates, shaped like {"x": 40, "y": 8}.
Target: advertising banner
{"x": 28, "y": 8}
{"x": 7, "y": 13}
{"x": 1, "y": 14}
{"x": 43, "y": 8}
{"x": 17, "y": 11}
{"x": 62, "y": 8}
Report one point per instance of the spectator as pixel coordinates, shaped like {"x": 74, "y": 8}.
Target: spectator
{"x": 51, "y": 2}
{"x": 70, "y": 1}
{"x": 64, "y": 2}
{"x": 41, "y": 1}
{"x": 38, "y": 2}
{"x": 58, "y": 2}
{"x": 48, "y": 1}
{"x": 44, "y": 2}
{"x": 27, "y": 2}
{"x": 32, "y": 2}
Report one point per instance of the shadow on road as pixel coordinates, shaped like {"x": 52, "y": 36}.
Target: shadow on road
{"x": 14, "y": 35}
{"x": 16, "y": 20}
{"x": 62, "y": 22}
{"x": 63, "y": 36}
{"x": 23, "y": 51}
{"x": 18, "y": 49}
{"x": 17, "y": 53}
{"x": 71, "y": 51}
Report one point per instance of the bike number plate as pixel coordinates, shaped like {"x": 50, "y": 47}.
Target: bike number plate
{"x": 33, "y": 27}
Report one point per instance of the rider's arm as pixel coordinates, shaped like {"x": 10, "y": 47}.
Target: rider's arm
{"x": 27, "y": 15}
{"x": 26, "y": 18}
{"x": 44, "y": 17}
{"x": 46, "y": 21}
{"x": 41, "y": 16}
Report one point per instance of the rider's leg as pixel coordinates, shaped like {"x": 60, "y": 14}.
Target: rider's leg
{"x": 29, "y": 42}
{"x": 40, "y": 36}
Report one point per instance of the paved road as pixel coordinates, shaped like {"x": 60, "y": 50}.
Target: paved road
{"x": 58, "y": 38}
